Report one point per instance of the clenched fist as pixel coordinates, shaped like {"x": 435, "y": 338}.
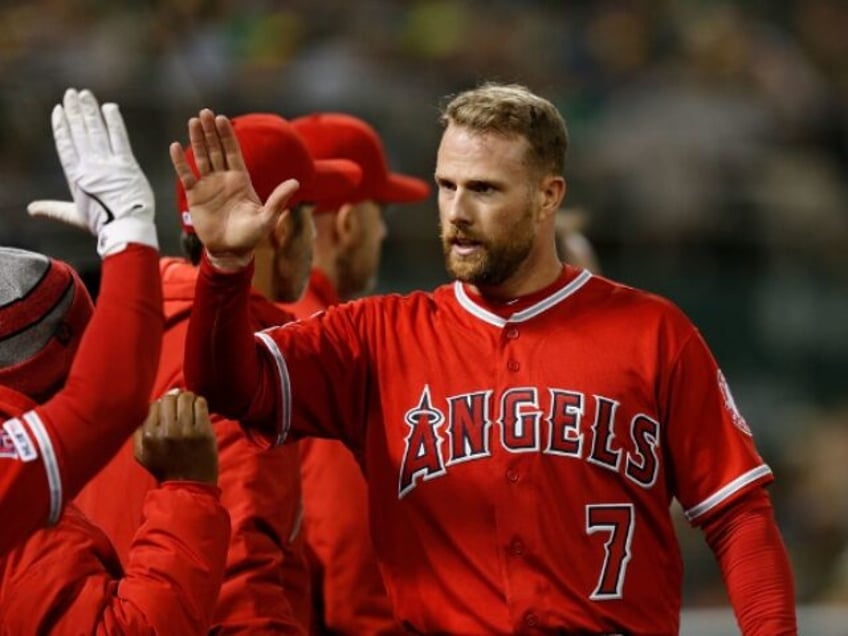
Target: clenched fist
{"x": 176, "y": 441}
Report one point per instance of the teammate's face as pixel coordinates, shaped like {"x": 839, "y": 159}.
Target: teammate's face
{"x": 294, "y": 254}
{"x": 358, "y": 265}
{"x": 486, "y": 208}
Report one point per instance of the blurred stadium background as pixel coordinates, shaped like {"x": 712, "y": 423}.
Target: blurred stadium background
{"x": 709, "y": 149}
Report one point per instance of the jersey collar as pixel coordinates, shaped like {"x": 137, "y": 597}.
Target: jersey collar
{"x": 565, "y": 286}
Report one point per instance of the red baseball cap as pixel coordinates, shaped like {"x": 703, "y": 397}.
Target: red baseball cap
{"x": 273, "y": 152}
{"x": 341, "y": 136}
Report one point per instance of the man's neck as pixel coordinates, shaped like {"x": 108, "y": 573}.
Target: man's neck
{"x": 521, "y": 283}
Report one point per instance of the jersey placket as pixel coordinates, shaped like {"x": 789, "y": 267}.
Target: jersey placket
{"x": 515, "y": 508}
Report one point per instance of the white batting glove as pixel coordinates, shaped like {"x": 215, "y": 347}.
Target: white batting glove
{"x": 112, "y": 196}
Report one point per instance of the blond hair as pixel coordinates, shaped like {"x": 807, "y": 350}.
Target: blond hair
{"x": 512, "y": 109}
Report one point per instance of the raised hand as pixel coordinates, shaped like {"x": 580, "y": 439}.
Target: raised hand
{"x": 225, "y": 210}
{"x": 112, "y": 197}
{"x": 176, "y": 441}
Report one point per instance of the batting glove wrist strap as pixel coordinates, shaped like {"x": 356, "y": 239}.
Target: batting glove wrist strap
{"x": 115, "y": 236}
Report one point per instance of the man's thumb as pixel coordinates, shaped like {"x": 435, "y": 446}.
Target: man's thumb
{"x": 279, "y": 199}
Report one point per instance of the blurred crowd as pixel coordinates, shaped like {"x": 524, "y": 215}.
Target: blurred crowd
{"x": 709, "y": 151}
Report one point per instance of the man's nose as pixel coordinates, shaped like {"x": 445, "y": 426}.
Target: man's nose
{"x": 457, "y": 208}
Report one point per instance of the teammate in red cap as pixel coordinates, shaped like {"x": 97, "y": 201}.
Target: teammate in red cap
{"x": 522, "y": 430}
{"x": 349, "y": 594}
{"x": 67, "y": 579}
{"x": 265, "y": 588}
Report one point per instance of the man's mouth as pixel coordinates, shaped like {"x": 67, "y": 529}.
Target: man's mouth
{"x": 464, "y": 246}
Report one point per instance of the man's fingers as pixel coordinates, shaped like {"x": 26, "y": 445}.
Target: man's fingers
{"x": 230, "y": 144}
{"x": 214, "y": 148}
{"x": 181, "y": 167}
{"x": 168, "y": 417}
{"x": 279, "y": 199}
{"x": 138, "y": 442}
{"x": 147, "y": 429}
{"x": 198, "y": 145}
{"x": 201, "y": 415}
{"x": 152, "y": 420}
{"x": 185, "y": 412}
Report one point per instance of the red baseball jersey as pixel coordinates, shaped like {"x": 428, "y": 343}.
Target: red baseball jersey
{"x": 521, "y": 458}
{"x": 350, "y": 597}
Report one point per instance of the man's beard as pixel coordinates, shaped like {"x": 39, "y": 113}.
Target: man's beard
{"x": 352, "y": 281}
{"x": 291, "y": 271}
{"x": 492, "y": 263}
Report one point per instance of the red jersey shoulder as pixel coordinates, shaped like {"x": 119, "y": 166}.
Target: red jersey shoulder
{"x": 602, "y": 294}
{"x": 386, "y": 307}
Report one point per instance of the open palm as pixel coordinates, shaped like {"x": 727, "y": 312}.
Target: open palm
{"x": 225, "y": 210}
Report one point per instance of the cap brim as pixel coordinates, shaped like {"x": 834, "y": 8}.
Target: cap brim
{"x": 400, "y": 188}
{"x": 335, "y": 179}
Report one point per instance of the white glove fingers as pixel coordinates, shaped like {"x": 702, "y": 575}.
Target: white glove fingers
{"x": 230, "y": 144}
{"x": 64, "y": 144}
{"x": 118, "y": 136}
{"x": 76, "y": 123}
{"x": 64, "y": 211}
{"x": 213, "y": 141}
{"x": 97, "y": 138}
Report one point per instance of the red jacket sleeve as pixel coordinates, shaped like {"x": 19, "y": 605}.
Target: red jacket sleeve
{"x": 754, "y": 565}
{"x": 265, "y": 588}
{"x": 67, "y": 580}
{"x": 343, "y": 564}
{"x": 222, "y": 359}
{"x": 70, "y": 437}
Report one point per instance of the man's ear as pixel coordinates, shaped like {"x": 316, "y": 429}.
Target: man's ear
{"x": 551, "y": 193}
{"x": 282, "y": 229}
{"x": 347, "y": 225}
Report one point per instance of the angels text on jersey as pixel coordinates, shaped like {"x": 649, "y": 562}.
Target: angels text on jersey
{"x": 553, "y": 421}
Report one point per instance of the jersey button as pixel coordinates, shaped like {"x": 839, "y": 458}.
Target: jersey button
{"x": 530, "y": 619}
{"x": 512, "y": 475}
{"x": 516, "y": 547}
{"x": 513, "y": 365}
{"x": 512, "y": 333}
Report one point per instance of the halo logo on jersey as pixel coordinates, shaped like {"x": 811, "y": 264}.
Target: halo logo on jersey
{"x": 730, "y": 405}
{"x": 423, "y": 456}
{"x": 557, "y": 422}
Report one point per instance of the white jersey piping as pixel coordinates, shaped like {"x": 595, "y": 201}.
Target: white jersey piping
{"x": 524, "y": 315}
{"x": 51, "y": 464}
{"x": 726, "y": 491}
{"x": 285, "y": 385}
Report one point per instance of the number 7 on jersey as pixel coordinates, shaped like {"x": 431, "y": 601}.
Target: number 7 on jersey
{"x": 617, "y": 520}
